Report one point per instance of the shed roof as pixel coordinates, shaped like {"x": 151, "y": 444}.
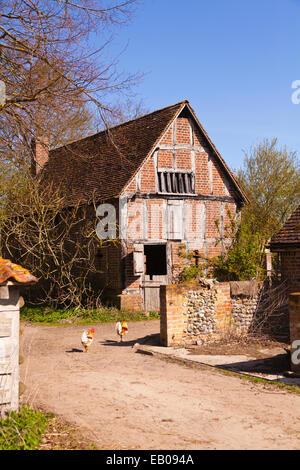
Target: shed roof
{"x": 289, "y": 235}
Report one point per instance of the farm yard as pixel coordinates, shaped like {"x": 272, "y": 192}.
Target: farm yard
{"x": 149, "y": 226}
{"x": 120, "y": 399}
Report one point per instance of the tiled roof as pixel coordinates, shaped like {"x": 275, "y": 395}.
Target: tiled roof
{"x": 289, "y": 234}
{"x": 12, "y": 272}
{"x": 101, "y": 165}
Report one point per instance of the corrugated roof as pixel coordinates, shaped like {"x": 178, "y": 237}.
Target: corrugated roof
{"x": 289, "y": 234}
{"x": 12, "y": 272}
{"x": 101, "y": 165}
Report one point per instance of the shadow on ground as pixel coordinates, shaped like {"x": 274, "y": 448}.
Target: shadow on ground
{"x": 270, "y": 365}
{"x": 151, "y": 340}
{"x": 74, "y": 350}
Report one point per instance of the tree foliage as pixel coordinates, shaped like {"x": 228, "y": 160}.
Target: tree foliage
{"x": 243, "y": 259}
{"x": 271, "y": 178}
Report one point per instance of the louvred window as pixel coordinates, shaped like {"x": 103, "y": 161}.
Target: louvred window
{"x": 176, "y": 182}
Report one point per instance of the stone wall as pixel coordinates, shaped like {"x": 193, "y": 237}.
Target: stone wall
{"x": 243, "y": 310}
{"x": 199, "y": 312}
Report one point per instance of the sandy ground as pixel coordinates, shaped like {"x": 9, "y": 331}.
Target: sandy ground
{"x": 125, "y": 400}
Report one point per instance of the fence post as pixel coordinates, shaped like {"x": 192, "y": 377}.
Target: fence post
{"x": 9, "y": 348}
{"x": 294, "y": 312}
{"x": 12, "y": 278}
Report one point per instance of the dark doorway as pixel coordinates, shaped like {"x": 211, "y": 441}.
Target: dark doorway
{"x": 155, "y": 260}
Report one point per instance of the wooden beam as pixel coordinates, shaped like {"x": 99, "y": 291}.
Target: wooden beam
{"x": 199, "y": 197}
{"x": 181, "y": 147}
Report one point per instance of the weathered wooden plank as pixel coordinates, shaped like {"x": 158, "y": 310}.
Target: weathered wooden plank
{"x": 12, "y": 303}
{"x": 152, "y": 299}
{"x": 138, "y": 259}
{"x": 210, "y": 174}
{"x": 199, "y": 197}
{"x": 6, "y": 388}
{"x": 169, "y": 184}
{"x": 4, "y": 292}
{"x": 174, "y": 182}
{"x": 181, "y": 147}
{"x": 5, "y": 327}
{"x": 5, "y": 350}
{"x": 175, "y": 223}
{"x": 6, "y": 367}
{"x": 9, "y": 350}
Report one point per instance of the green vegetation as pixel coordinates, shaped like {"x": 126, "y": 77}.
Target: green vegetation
{"x": 270, "y": 178}
{"x": 243, "y": 260}
{"x": 192, "y": 270}
{"x": 23, "y": 430}
{"x": 239, "y": 262}
{"x": 50, "y": 315}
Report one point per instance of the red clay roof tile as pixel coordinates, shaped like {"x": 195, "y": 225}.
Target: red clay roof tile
{"x": 14, "y": 272}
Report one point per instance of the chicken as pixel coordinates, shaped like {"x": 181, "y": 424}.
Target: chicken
{"x": 87, "y": 338}
{"x": 122, "y": 329}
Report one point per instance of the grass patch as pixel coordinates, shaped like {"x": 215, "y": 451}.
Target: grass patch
{"x": 60, "y": 435}
{"x": 22, "y": 430}
{"x": 31, "y": 429}
{"x": 52, "y": 316}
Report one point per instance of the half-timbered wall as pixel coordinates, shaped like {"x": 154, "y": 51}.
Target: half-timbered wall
{"x": 157, "y": 216}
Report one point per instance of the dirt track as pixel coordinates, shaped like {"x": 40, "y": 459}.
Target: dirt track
{"x": 125, "y": 400}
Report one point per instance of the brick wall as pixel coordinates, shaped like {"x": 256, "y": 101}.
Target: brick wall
{"x": 290, "y": 269}
{"x": 183, "y": 148}
{"x": 40, "y": 154}
{"x": 172, "y": 315}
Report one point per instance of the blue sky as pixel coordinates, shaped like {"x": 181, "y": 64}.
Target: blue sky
{"x": 234, "y": 60}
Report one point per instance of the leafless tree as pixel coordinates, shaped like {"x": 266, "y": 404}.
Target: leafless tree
{"x": 271, "y": 316}
{"x": 58, "y": 244}
{"x": 53, "y": 72}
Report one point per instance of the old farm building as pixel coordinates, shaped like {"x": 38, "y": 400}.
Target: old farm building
{"x": 287, "y": 243}
{"x": 169, "y": 185}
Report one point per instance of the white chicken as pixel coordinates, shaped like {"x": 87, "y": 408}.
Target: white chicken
{"x": 87, "y": 338}
{"x": 122, "y": 329}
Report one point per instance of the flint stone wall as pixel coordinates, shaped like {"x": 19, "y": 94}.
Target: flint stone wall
{"x": 192, "y": 313}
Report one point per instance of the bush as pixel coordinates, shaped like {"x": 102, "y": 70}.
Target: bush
{"x": 241, "y": 262}
{"x": 191, "y": 271}
{"x": 22, "y": 430}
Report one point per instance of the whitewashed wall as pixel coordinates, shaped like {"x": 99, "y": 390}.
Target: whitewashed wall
{"x": 9, "y": 348}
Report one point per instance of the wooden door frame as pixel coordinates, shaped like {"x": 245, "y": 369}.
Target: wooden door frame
{"x": 144, "y": 283}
